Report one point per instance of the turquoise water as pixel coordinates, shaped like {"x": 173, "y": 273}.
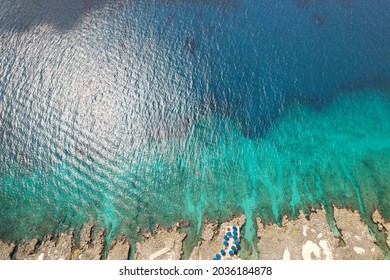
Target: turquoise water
{"x": 136, "y": 113}
{"x": 217, "y": 171}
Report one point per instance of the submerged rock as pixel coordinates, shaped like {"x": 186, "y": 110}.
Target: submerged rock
{"x": 190, "y": 44}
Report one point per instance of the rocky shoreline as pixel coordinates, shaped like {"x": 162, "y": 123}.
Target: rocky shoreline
{"x": 306, "y": 237}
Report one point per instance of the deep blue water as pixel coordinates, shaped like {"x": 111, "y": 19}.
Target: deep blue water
{"x": 131, "y": 113}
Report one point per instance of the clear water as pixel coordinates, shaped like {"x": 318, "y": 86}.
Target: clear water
{"x": 132, "y": 113}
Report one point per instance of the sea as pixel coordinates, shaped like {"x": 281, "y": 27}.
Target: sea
{"x": 136, "y": 113}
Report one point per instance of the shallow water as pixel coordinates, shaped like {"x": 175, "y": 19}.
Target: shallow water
{"x": 137, "y": 113}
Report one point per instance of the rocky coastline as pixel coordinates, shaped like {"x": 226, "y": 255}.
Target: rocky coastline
{"x": 307, "y": 237}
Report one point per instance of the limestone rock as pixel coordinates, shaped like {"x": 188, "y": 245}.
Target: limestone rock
{"x": 359, "y": 243}
{"x": 51, "y": 248}
{"x": 6, "y": 249}
{"x": 90, "y": 250}
{"x": 312, "y": 238}
{"x": 55, "y": 249}
{"x": 119, "y": 248}
{"x": 165, "y": 244}
{"x": 297, "y": 239}
{"x": 211, "y": 238}
{"x": 85, "y": 237}
{"x": 26, "y": 250}
{"x": 382, "y": 225}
